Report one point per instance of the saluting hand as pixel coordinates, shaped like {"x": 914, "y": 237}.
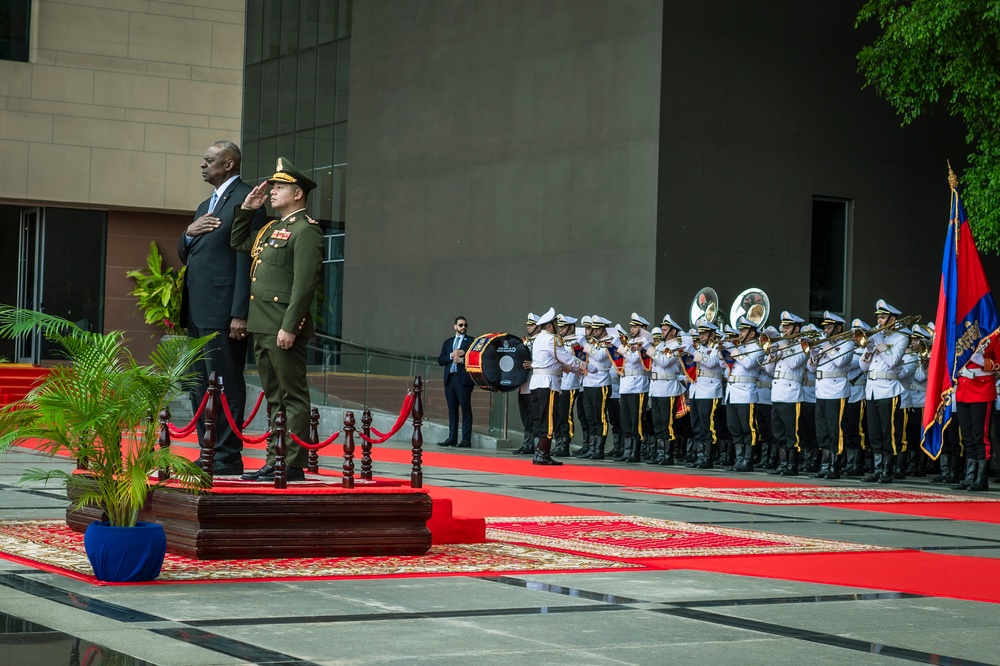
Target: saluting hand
{"x": 257, "y": 196}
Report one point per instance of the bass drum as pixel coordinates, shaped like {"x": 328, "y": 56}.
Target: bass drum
{"x": 495, "y": 362}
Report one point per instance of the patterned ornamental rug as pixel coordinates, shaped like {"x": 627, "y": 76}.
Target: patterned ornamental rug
{"x": 814, "y": 495}
{"x": 635, "y": 538}
{"x": 514, "y": 545}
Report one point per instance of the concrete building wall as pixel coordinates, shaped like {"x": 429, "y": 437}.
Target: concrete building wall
{"x": 762, "y": 111}
{"x": 502, "y": 157}
{"x": 119, "y": 100}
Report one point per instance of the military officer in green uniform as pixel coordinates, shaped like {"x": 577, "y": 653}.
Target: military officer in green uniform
{"x": 286, "y": 258}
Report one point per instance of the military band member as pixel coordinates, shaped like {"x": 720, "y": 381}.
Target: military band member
{"x": 882, "y": 360}
{"x": 706, "y": 392}
{"x": 548, "y": 360}
{"x": 286, "y": 258}
{"x": 768, "y": 455}
{"x": 830, "y": 359}
{"x": 524, "y": 391}
{"x": 906, "y": 372}
{"x": 597, "y": 386}
{"x": 853, "y": 424}
{"x": 787, "y": 394}
{"x": 920, "y": 348}
{"x": 572, "y": 382}
{"x": 742, "y": 356}
{"x": 666, "y": 391}
{"x": 634, "y": 388}
{"x": 975, "y": 396}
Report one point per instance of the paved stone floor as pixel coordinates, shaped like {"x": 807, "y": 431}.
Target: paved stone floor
{"x": 625, "y": 617}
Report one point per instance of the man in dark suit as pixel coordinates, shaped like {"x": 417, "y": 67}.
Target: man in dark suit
{"x": 457, "y": 384}
{"x": 216, "y": 296}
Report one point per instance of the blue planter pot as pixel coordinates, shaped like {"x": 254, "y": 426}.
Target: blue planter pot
{"x": 125, "y": 554}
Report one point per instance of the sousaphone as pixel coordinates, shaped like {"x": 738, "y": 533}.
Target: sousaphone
{"x": 754, "y": 304}
{"x": 706, "y": 306}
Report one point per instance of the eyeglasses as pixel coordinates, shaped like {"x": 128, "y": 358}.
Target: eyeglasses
{"x": 462, "y": 325}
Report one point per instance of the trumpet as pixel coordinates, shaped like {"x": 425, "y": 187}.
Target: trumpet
{"x": 766, "y": 342}
{"x": 861, "y": 337}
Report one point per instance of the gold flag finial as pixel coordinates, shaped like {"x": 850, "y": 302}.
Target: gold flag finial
{"x": 952, "y": 178}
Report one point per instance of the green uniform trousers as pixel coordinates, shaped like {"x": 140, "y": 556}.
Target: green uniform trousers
{"x": 286, "y": 388}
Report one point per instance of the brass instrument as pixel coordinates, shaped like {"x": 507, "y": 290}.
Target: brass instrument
{"x": 753, "y": 304}
{"x": 861, "y": 338}
{"x": 766, "y": 342}
{"x": 705, "y": 305}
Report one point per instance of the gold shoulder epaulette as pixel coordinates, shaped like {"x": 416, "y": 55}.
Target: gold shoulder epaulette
{"x": 310, "y": 220}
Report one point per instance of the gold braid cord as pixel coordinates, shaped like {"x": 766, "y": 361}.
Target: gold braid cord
{"x": 258, "y": 246}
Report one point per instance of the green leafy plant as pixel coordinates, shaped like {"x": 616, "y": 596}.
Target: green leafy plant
{"x": 158, "y": 292}
{"x": 100, "y": 408}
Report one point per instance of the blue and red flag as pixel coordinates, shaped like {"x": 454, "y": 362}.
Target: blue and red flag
{"x": 966, "y": 315}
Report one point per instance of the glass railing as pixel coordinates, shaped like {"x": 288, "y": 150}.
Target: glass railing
{"x": 351, "y": 376}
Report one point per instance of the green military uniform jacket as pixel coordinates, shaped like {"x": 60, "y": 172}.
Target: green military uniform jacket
{"x": 286, "y": 259}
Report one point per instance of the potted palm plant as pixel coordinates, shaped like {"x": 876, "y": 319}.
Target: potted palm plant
{"x": 158, "y": 292}
{"x": 100, "y": 408}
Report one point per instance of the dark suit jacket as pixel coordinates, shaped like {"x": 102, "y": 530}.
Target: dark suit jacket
{"x": 217, "y": 282}
{"x": 445, "y": 358}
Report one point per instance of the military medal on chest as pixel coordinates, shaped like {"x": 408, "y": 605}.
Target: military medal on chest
{"x": 281, "y": 234}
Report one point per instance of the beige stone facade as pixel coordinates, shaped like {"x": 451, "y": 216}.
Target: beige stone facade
{"x": 113, "y": 111}
{"x": 118, "y": 101}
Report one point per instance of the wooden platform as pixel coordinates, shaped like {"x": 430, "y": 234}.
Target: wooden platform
{"x": 242, "y": 526}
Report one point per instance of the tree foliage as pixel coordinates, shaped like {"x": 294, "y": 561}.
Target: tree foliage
{"x": 945, "y": 53}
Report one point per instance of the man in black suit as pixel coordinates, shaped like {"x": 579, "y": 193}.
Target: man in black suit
{"x": 457, "y": 384}
{"x": 216, "y": 296}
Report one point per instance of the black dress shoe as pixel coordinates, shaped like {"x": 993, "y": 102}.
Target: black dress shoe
{"x": 291, "y": 474}
{"x": 447, "y": 442}
{"x": 227, "y": 471}
{"x": 253, "y": 476}
{"x": 464, "y": 444}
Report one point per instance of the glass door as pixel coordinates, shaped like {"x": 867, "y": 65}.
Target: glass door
{"x": 29, "y": 296}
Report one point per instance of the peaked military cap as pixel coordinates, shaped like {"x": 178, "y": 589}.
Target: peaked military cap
{"x": 921, "y": 332}
{"x": 532, "y": 319}
{"x": 285, "y": 172}
{"x": 883, "y": 308}
{"x": 791, "y": 318}
{"x": 857, "y": 323}
{"x": 565, "y": 320}
{"x": 597, "y": 321}
{"x": 744, "y": 322}
{"x": 548, "y": 317}
{"x": 638, "y": 320}
{"x": 706, "y": 325}
{"x": 669, "y": 321}
{"x": 831, "y": 318}
{"x": 586, "y": 321}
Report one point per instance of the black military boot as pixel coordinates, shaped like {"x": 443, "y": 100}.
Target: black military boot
{"x": 584, "y": 450}
{"x": 616, "y": 447}
{"x": 560, "y": 448}
{"x": 542, "y": 455}
{"x": 792, "y": 466}
{"x": 834, "y": 472}
{"x": 528, "y": 447}
{"x": 853, "y": 468}
{"x": 899, "y": 469}
{"x": 824, "y": 466}
{"x": 944, "y": 476}
{"x": 625, "y": 451}
{"x": 779, "y": 467}
{"x": 669, "y": 447}
{"x": 658, "y": 452}
{"x": 981, "y": 483}
{"x": 970, "y": 476}
{"x": 596, "y": 447}
{"x": 705, "y": 456}
{"x": 694, "y": 454}
{"x": 635, "y": 454}
{"x": 888, "y": 468}
{"x": 876, "y": 469}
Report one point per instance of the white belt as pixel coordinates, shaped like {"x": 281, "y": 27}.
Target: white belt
{"x": 882, "y": 375}
{"x": 742, "y": 379}
{"x": 635, "y": 373}
{"x": 788, "y": 376}
{"x": 711, "y": 374}
{"x": 809, "y": 382}
{"x": 665, "y": 376}
{"x": 830, "y": 374}
{"x": 551, "y": 372}
{"x": 763, "y": 384}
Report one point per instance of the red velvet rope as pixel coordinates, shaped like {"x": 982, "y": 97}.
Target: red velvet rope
{"x": 400, "y": 420}
{"x": 239, "y": 433}
{"x": 314, "y": 447}
{"x": 189, "y": 428}
{"x": 260, "y": 400}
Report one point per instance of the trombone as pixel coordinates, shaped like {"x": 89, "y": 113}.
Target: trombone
{"x": 861, "y": 338}
{"x": 766, "y": 342}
